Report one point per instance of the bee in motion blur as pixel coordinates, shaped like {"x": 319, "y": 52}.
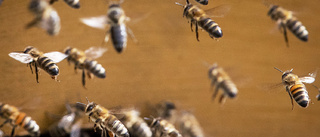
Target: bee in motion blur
{"x": 105, "y": 121}
{"x": 318, "y": 96}
{"x": 285, "y": 19}
{"x": 16, "y": 118}
{"x": 167, "y": 110}
{"x": 220, "y": 79}
{"x": 162, "y": 128}
{"x": 72, "y": 3}
{"x": 46, "y": 17}
{"x": 85, "y": 61}
{"x": 201, "y": 18}
{"x": 203, "y": 2}
{"x": 46, "y": 61}
{"x": 117, "y": 20}
{"x": 70, "y": 123}
{"x": 189, "y": 125}
{"x": 136, "y": 125}
{"x": 295, "y": 87}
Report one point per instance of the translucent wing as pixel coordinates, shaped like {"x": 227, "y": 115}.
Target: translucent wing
{"x": 95, "y": 52}
{"x": 75, "y": 129}
{"x": 99, "y": 22}
{"x": 56, "y": 56}
{"x": 22, "y": 57}
{"x": 307, "y": 79}
{"x": 219, "y": 11}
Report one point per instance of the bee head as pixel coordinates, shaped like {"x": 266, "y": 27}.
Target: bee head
{"x": 90, "y": 107}
{"x": 272, "y": 9}
{"x": 288, "y": 77}
{"x": 67, "y": 51}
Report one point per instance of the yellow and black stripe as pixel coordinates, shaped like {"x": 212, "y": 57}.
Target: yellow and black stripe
{"x": 299, "y": 94}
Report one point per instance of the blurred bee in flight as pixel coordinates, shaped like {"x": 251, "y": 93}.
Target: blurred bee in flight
{"x": 201, "y": 18}
{"x": 285, "y": 19}
{"x": 203, "y": 2}
{"x": 117, "y": 20}
{"x": 295, "y": 87}
{"x": 15, "y": 118}
{"x": 189, "y": 125}
{"x": 318, "y": 96}
{"x": 46, "y": 61}
{"x": 162, "y": 128}
{"x": 167, "y": 110}
{"x": 85, "y": 61}
{"x": 46, "y": 17}
{"x": 105, "y": 121}
{"x": 72, "y": 3}
{"x": 220, "y": 79}
{"x": 70, "y": 123}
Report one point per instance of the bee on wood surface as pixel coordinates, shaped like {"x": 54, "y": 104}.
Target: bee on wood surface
{"x": 46, "y": 61}
{"x": 136, "y": 125}
{"x": 189, "y": 125}
{"x": 72, "y": 3}
{"x": 163, "y": 128}
{"x": 85, "y": 61}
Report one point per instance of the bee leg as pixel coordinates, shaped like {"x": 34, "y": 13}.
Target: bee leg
{"x": 130, "y": 32}
{"x": 110, "y": 134}
{"x": 5, "y": 122}
{"x": 106, "y": 37}
{"x": 32, "y": 23}
{"x": 90, "y": 75}
{"x": 30, "y": 65}
{"x": 191, "y": 26}
{"x": 290, "y": 97}
{"x": 285, "y": 34}
{"x": 83, "y": 78}
{"x": 197, "y": 34}
{"x": 222, "y": 99}
{"x": 215, "y": 92}
{"x": 12, "y": 132}
{"x": 36, "y": 71}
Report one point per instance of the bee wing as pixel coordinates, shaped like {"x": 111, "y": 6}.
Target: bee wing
{"x": 219, "y": 11}
{"x": 55, "y": 56}
{"x": 99, "y": 22}
{"x": 22, "y": 57}
{"x": 308, "y": 80}
{"x": 95, "y": 52}
{"x": 75, "y": 129}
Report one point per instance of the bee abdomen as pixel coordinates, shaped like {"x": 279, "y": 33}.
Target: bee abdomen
{"x": 53, "y": 27}
{"x": 116, "y": 126}
{"x": 141, "y": 129}
{"x": 31, "y": 126}
{"x": 300, "y": 95}
{"x": 298, "y": 29}
{"x": 48, "y": 65}
{"x": 229, "y": 87}
{"x": 211, "y": 27}
{"x": 119, "y": 37}
{"x": 95, "y": 68}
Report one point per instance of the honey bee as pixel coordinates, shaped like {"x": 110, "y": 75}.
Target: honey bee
{"x": 117, "y": 20}
{"x": 199, "y": 17}
{"x": 46, "y": 17}
{"x": 163, "y": 128}
{"x": 189, "y": 125}
{"x": 136, "y": 125}
{"x": 318, "y": 96}
{"x": 166, "y": 110}
{"x": 105, "y": 121}
{"x": 203, "y": 2}
{"x": 16, "y": 118}
{"x": 220, "y": 79}
{"x": 72, "y": 3}
{"x": 295, "y": 87}
{"x": 70, "y": 123}
{"x": 46, "y": 61}
{"x": 285, "y": 19}
{"x": 84, "y": 60}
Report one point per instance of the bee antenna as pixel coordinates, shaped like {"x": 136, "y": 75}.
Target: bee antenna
{"x": 315, "y": 86}
{"x": 187, "y": 1}
{"x": 87, "y": 100}
{"x": 279, "y": 69}
{"x": 179, "y": 4}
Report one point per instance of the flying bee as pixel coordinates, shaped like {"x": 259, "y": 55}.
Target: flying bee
{"x": 199, "y": 17}
{"x": 136, "y": 125}
{"x": 105, "y": 121}
{"x": 163, "y": 128}
{"x": 220, "y": 79}
{"x": 46, "y": 61}
{"x": 117, "y": 20}
{"x": 84, "y": 60}
{"x": 70, "y": 123}
{"x": 295, "y": 87}
{"x": 189, "y": 125}
{"x": 318, "y": 96}
{"x": 72, "y": 3}
{"x": 16, "y": 118}
{"x": 285, "y": 19}
{"x": 203, "y": 2}
{"x": 46, "y": 17}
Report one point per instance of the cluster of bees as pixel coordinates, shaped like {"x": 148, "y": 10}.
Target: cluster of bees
{"x": 128, "y": 122}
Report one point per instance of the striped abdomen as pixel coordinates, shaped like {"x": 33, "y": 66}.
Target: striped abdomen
{"x": 203, "y": 2}
{"x": 300, "y": 94}
{"x": 28, "y": 124}
{"x": 229, "y": 88}
{"x": 210, "y": 26}
{"x": 297, "y": 29}
{"x": 51, "y": 21}
{"x": 48, "y": 65}
{"x": 116, "y": 127}
{"x": 119, "y": 37}
{"x": 73, "y": 3}
{"x": 95, "y": 68}
{"x": 140, "y": 129}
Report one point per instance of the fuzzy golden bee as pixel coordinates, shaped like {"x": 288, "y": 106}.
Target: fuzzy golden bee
{"x": 136, "y": 125}
{"x": 72, "y": 3}
{"x": 46, "y": 61}
{"x": 189, "y": 125}
{"x": 163, "y": 128}
{"x": 295, "y": 87}
{"x": 85, "y": 61}
{"x": 16, "y": 118}
{"x": 105, "y": 121}
{"x": 220, "y": 79}
{"x": 285, "y": 19}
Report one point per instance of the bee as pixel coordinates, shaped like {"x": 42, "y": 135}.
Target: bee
{"x": 72, "y": 3}
{"x": 84, "y": 60}
{"x": 199, "y": 17}
{"x": 220, "y": 79}
{"x": 46, "y": 61}
{"x": 166, "y": 110}
{"x": 16, "y": 118}
{"x": 46, "y": 17}
{"x": 136, "y": 125}
{"x": 203, "y": 2}
{"x": 104, "y": 120}
{"x": 189, "y": 125}
{"x": 163, "y": 128}
{"x": 295, "y": 87}
{"x": 117, "y": 20}
{"x": 318, "y": 96}
{"x": 285, "y": 19}
{"x": 70, "y": 123}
